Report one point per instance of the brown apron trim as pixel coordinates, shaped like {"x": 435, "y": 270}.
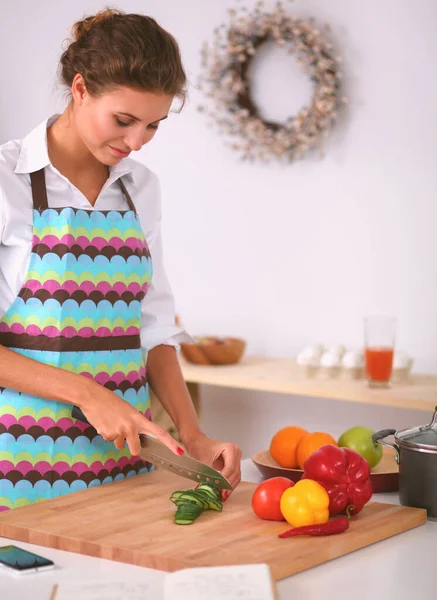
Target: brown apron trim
{"x": 91, "y": 251}
{"x": 127, "y": 196}
{"x": 54, "y": 433}
{"x": 79, "y": 296}
{"x": 33, "y": 476}
{"x": 23, "y": 341}
{"x": 39, "y": 191}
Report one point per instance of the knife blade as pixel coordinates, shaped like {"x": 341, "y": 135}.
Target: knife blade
{"x": 160, "y": 455}
{"x": 154, "y": 451}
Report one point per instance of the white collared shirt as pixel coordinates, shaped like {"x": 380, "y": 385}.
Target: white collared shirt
{"x": 18, "y": 158}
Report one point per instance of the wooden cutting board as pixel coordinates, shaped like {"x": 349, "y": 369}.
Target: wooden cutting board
{"x": 132, "y": 521}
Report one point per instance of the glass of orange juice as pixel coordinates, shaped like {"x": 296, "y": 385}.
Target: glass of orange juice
{"x": 379, "y": 334}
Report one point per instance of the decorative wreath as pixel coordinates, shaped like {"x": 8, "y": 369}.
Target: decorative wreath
{"x": 224, "y": 80}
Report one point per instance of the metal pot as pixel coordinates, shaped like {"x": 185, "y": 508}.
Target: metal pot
{"x": 416, "y": 455}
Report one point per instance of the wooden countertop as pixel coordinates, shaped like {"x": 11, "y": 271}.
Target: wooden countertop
{"x": 392, "y": 563}
{"x": 284, "y": 376}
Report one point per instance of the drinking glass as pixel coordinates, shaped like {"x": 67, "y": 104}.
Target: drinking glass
{"x": 379, "y": 344}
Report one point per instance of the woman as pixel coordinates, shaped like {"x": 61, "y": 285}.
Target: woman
{"x": 85, "y": 304}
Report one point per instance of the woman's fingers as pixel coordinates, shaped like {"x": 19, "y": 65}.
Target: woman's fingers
{"x": 119, "y": 442}
{"x": 163, "y": 436}
{"x": 231, "y": 455}
{"x": 130, "y": 432}
{"x": 225, "y": 494}
{"x": 133, "y": 442}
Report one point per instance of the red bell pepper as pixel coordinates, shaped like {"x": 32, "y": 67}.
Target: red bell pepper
{"x": 344, "y": 474}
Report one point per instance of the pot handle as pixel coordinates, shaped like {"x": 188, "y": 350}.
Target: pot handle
{"x": 434, "y": 419}
{"x": 379, "y": 436}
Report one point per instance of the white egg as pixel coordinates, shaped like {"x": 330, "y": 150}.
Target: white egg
{"x": 318, "y": 350}
{"x": 329, "y": 359}
{"x": 353, "y": 359}
{"x": 401, "y": 360}
{"x": 338, "y": 350}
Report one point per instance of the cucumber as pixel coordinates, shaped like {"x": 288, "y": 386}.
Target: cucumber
{"x": 192, "y": 503}
{"x": 176, "y": 494}
{"x": 211, "y": 489}
{"x": 205, "y": 493}
{"x": 216, "y": 505}
{"x": 180, "y": 502}
{"x": 187, "y": 514}
{"x": 205, "y": 498}
{"x": 188, "y": 496}
{"x": 189, "y": 511}
{"x": 183, "y": 521}
{"x": 192, "y": 499}
{"x": 212, "y": 502}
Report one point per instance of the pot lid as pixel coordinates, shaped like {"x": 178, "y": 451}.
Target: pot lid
{"x": 424, "y": 436}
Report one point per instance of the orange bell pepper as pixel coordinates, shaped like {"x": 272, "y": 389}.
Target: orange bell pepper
{"x": 306, "y": 503}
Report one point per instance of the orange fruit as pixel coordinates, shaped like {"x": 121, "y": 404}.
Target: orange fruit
{"x": 312, "y": 442}
{"x": 283, "y": 446}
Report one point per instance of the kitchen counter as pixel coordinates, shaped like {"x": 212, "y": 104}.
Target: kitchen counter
{"x": 401, "y": 567}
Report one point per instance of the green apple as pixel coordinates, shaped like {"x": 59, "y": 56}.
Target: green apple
{"x": 359, "y": 438}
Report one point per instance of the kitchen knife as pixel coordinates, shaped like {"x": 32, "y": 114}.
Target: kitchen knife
{"x": 159, "y": 454}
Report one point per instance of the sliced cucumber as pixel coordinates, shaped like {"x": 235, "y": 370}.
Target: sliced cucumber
{"x": 192, "y": 503}
{"x": 192, "y": 498}
{"x": 212, "y": 502}
{"x": 205, "y": 498}
{"x": 205, "y": 493}
{"x": 183, "y": 521}
{"x": 186, "y": 517}
{"x": 180, "y": 502}
{"x": 176, "y": 494}
{"x": 216, "y": 505}
{"x": 210, "y": 488}
{"x": 189, "y": 511}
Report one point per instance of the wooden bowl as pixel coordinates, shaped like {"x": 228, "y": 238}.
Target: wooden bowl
{"x": 210, "y": 350}
{"x": 384, "y": 477}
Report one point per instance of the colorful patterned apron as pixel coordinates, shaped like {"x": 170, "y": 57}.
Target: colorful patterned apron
{"x": 79, "y": 309}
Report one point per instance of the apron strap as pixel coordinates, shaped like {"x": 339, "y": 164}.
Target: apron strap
{"x": 39, "y": 192}
{"x": 127, "y": 196}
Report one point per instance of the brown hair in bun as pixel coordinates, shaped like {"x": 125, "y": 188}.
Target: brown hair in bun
{"x": 112, "y": 49}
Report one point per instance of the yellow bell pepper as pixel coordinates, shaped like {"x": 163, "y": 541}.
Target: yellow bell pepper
{"x": 306, "y": 503}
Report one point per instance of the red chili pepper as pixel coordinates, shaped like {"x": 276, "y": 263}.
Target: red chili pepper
{"x": 329, "y": 528}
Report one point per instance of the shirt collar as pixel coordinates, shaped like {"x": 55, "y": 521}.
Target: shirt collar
{"x": 125, "y": 167}
{"x": 34, "y": 154}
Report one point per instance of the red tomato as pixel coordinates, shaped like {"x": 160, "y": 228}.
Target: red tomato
{"x": 266, "y": 499}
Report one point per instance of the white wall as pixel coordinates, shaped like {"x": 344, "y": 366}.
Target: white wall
{"x": 283, "y": 255}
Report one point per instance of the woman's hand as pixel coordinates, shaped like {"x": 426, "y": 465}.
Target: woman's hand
{"x": 117, "y": 421}
{"x": 223, "y": 456}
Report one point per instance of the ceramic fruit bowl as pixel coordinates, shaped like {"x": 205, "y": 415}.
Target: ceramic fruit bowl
{"x": 210, "y": 350}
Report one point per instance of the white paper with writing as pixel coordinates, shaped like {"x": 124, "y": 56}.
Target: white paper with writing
{"x": 245, "y": 582}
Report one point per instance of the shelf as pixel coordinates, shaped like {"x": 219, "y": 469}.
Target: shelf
{"x": 283, "y": 376}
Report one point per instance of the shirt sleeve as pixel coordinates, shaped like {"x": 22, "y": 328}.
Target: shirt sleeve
{"x": 158, "y": 314}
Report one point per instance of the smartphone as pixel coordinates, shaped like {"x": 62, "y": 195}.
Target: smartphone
{"x": 19, "y": 560}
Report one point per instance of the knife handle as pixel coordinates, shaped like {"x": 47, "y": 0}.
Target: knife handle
{"x": 76, "y": 413}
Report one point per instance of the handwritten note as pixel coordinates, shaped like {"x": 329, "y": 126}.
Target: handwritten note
{"x": 245, "y": 582}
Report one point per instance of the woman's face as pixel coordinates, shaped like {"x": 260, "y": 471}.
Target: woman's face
{"x": 118, "y": 122}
